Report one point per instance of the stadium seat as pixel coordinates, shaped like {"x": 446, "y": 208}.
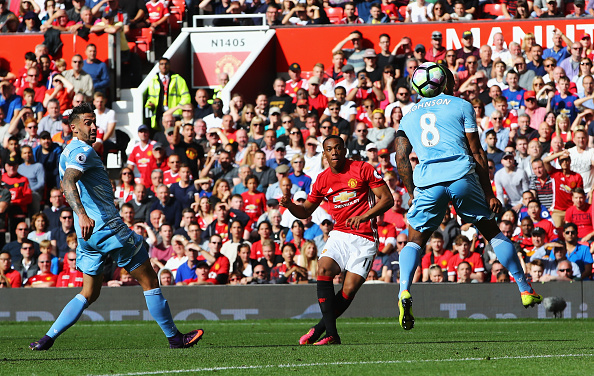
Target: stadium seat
{"x": 493, "y": 9}
{"x": 143, "y": 43}
{"x": 180, "y": 8}
{"x": 334, "y": 14}
{"x": 402, "y": 11}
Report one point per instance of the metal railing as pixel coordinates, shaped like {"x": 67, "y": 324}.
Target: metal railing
{"x": 208, "y": 20}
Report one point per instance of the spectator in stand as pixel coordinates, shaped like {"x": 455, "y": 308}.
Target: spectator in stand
{"x": 35, "y": 174}
{"x": 465, "y": 253}
{"x": 71, "y": 277}
{"x": 141, "y": 156}
{"x": 59, "y": 234}
{"x": 571, "y": 64}
{"x": 80, "y": 80}
{"x": 536, "y": 113}
{"x": 170, "y": 206}
{"x": 63, "y": 91}
{"x": 467, "y": 47}
{"x": 541, "y": 183}
{"x": 27, "y": 266}
{"x": 581, "y": 215}
{"x": 21, "y": 195}
{"x": 48, "y": 153}
{"x": 32, "y": 81}
{"x": 12, "y": 276}
{"x": 416, "y": 12}
{"x": 376, "y": 16}
{"x": 52, "y": 122}
{"x": 289, "y": 271}
{"x": 534, "y": 212}
{"x": 536, "y": 63}
{"x": 564, "y": 180}
{"x": 460, "y": 13}
{"x": 557, "y": 51}
{"x": 295, "y": 82}
{"x": 96, "y": 69}
{"x": 552, "y": 11}
{"x": 353, "y": 55}
{"x": 349, "y": 15}
{"x": 437, "y": 51}
{"x": 44, "y": 276}
{"x": 10, "y": 103}
{"x": 512, "y": 181}
{"x": 56, "y": 199}
{"x": 578, "y": 253}
{"x": 437, "y": 256}
{"x": 582, "y": 159}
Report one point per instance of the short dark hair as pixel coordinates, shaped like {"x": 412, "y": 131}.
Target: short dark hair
{"x": 334, "y": 137}
{"x": 30, "y": 56}
{"x": 64, "y": 210}
{"x": 83, "y": 108}
{"x": 570, "y": 224}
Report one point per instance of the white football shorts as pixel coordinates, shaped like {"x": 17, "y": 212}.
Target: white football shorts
{"x": 351, "y": 252}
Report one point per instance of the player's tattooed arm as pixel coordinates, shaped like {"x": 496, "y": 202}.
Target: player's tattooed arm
{"x": 403, "y": 150}
{"x": 71, "y": 177}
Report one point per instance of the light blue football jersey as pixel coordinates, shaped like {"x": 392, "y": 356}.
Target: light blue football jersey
{"x": 436, "y": 129}
{"x": 94, "y": 187}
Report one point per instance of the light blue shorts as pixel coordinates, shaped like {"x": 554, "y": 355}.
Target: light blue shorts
{"x": 430, "y": 203}
{"x": 115, "y": 239}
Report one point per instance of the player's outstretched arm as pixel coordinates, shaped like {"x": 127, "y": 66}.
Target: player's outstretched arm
{"x": 299, "y": 211}
{"x": 482, "y": 169}
{"x": 71, "y": 177}
{"x": 403, "y": 150}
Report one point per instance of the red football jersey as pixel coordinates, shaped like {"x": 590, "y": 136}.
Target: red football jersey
{"x": 292, "y": 86}
{"x": 474, "y": 259}
{"x": 562, "y": 186}
{"x": 156, "y": 10}
{"x": 583, "y": 219}
{"x": 142, "y": 158}
{"x": 220, "y": 266}
{"x": 41, "y": 278}
{"x": 253, "y": 205}
{"x": 170, "y": 177}
{"x": 387, "y": 235}
{"x": 442, "y": 260}
{"x": 349, "y": 194}
{"x": 70, "y": 279}
{"x": 256, "y": 251}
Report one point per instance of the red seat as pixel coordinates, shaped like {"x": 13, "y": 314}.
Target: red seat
{"x": 334, "y": 14}
{"x": 402, "y": 11}
{"x": 143, "y": 43}
{"x": 493, "y": 9}
{"x": 176, "y": 16}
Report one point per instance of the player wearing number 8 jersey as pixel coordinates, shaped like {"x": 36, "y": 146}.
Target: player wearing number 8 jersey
{"x": 452, "y": 167}
{"x": 351, "y": 188}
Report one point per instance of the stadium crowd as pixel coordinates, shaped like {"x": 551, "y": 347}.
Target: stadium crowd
{"x": 203, "y": 181}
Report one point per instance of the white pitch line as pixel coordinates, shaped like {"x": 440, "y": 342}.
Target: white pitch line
{"x": 211, "y": 369}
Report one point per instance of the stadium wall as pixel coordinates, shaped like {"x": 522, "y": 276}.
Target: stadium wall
{"x": 14, "y": 46}
{"x": 479, "y": 301}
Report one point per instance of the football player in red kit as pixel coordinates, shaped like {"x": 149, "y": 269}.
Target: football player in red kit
{"x": 351, "y": 188}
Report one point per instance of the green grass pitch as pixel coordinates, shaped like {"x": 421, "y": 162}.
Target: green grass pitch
{"x": 268, "y": 347}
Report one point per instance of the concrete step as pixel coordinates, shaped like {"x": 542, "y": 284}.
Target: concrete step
{"x": 123, "y": 106}
{"x": 126, "y": 95}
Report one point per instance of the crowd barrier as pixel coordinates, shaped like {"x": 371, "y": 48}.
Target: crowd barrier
{"x": 478, "y": 301}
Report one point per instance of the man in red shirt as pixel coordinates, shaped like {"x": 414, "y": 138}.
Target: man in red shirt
{"x": 71, "y": 277}
{"x": 32, "y": 82}
{"x": 317, "y": 100}
{"x": 395, "y": 214}
{"x": 18, "y": 185}
{"x": 580, "y": 214}
{"x": 387, "y": 243}
{"x": 462, "y": 245}
{"x": 218, "y": 273}
{"x": 350, "y": 187}
{"x": 564, "y": 181}
{"x": 142, "y": 156}
{"x": 44, "y": 278}
{"x": 14, "y": 277}
{"x": 438, "y": 255}
{"x": 545, "y": 224}
{"x": 296, "y": 82}
{"x": 172, "y": 175}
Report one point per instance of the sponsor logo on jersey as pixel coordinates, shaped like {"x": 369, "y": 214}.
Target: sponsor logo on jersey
{"x": 344, "y": 196}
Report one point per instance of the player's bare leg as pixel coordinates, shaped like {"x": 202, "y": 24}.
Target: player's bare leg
{"x": 159, "y": 308}
{"x": 410, "y": 258}
{"x": 72, "y": 311}
{"x": 507, "y": 255}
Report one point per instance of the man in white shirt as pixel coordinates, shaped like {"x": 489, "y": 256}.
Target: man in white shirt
{"x": 582, "y": 158}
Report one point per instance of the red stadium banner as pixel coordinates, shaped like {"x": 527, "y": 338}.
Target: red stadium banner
{"x": 305, "y": 46}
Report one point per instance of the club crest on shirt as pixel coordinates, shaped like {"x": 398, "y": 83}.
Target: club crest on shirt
{"x": 352, "y": 183}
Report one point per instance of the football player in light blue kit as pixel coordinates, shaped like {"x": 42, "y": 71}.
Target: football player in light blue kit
{"x": 101, "y": 231}
{"x": 452, "y": 167}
